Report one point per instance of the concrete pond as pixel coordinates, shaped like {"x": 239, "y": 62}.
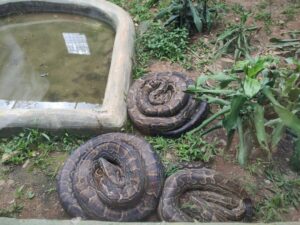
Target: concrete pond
{"x": 58, "y": 71}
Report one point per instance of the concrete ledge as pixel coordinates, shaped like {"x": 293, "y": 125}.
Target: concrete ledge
{"x": 8, "y": 221}
{"x": 112, "y": 114}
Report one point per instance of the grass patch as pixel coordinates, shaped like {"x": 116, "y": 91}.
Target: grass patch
{"x": 36, "y": 146}
{"x": 291, "y": 10}
{"x": 285, "y": 194}
{"x": 11, "y": 211}
{"x": 187, "y": 148}
{"x": 163, "y": 44}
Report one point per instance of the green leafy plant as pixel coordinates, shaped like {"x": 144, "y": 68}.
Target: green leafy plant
{"x": 254, "y": 96}
{"x": 236, "y": 39}
{"x": 195, "y": 16}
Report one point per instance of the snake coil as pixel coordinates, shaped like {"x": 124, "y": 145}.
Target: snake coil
{"x": 115, "y": 177}
{"x": 207, "y": 196}
{"x": 158, "y": 105}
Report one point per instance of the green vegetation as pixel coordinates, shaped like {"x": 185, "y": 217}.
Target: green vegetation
{"x": 289, "y": 46}
{"x": 139, "y": 9}
{"x": 236, "y": 39}
{"x": 164, "y": 45}
{"x": 36, "y": 146}
{"x": 291, "y": 10}
{"x": 11, "y": 211}
{"x": 264, "y": 14}
{"x": 246, "y": 96}
{"x": 285, "y": 194}
{"x": 197, "y": 16}
{"x": 159, "y": 43}
{"x": 187, "y": 148}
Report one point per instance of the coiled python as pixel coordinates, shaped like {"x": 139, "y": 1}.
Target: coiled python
{"x": 115, "y": 176}
{"x": 158, "y": 105}
{"x": 203, "y": 195}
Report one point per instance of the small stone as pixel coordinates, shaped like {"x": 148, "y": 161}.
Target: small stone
{"x": 281, "y": 24}
{"x": 268, "y": 182}
{"x": 2, "y": 182}
{"x": 76, "y": 220}
{"x": 25, "y": 164}
{"x": 222, "y": 142}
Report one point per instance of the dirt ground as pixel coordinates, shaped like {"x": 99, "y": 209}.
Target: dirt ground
{"x": 25, "y": 192}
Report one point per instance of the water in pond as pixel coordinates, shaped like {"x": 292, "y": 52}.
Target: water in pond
{"x": 54, "y": 57}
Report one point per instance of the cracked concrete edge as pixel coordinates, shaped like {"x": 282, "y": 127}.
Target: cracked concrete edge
{"x": 113, "y": 113}
{"x": 11, "y": 221}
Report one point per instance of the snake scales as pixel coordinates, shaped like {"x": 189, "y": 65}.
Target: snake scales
{"x": 119, "y": 177}
{"x": 114, "y": 176}
{"x": 210, "y": 197}
{"x": 158, "y": 105}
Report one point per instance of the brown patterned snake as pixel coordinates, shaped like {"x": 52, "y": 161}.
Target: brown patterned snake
{"x": 114, "y": 176}
{"x": 158, "y": 105}
{"x": 208, "y": 196}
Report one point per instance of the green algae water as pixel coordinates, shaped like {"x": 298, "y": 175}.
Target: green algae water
{"x": 54, "y": 58}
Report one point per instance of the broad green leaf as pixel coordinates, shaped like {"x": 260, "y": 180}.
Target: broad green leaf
{"x": 230, "y": 136}
{"x": 196, "y": 18}
{"x": 291, "y": 82}
{"x": 227, "y": 34}
{"x": 251, "y": 87}
{"x": 243, "y": 148}
{"x": 240, "y": 65}
{"x": 223, "y": 78}
{"x": 171, "y": 20}
{"x": 201, "y": 80}
{"x": 225, "y": 47}
{"x": 166, "y": 11}
{"x": 230, "y": 121}
{"x": 286, "y": 44}
{"x": 288, "y": 118}
{"x": 260, "y": 128}
{"x": 209, "y": 20}
{"x": 46, "y": 136}
{"x": 294, "y": 94}
{"x": 277, "y": 40}
{"x": 253, "y": 70}
{"x": 295, "y": 160}
{"x": 277, "y": 134}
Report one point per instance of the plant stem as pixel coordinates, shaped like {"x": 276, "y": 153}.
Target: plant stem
{"x": 216, "y": 100}
{"x": 216, "y": 92}
{"x": 210, "y": 119}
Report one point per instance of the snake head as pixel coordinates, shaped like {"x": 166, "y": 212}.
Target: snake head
{"x": 111, "y": 172}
